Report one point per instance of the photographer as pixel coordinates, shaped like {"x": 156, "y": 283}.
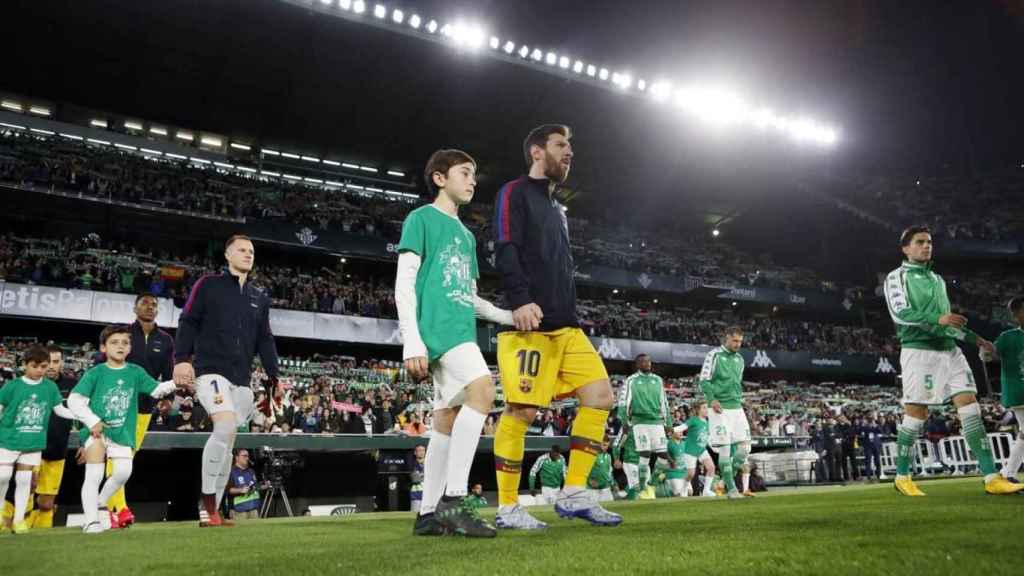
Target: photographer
{"x": 243, "y": 489}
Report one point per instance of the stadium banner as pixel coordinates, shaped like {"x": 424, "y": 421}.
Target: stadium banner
{"x": 792, "y": 298}
{"x": 318, "y": 238}
{"x": 617, "y": 278}
{"x": 106, "y": 307}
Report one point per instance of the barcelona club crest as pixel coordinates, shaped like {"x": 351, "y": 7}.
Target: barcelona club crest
{"x": 525, "y": 385}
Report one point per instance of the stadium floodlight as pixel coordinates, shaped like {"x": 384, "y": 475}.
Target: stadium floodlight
{"x": 291, "y": 177}
{"x": 186, "y": 136}
{"x": 211, "y": 141}
{"x": 158, "y": 130}
{"x": 661, "y": 90}
{"x": 103, "y": 142}
{"x": 358, "y": 6}
{"x": 763, "y": 118}
{"x": 603, "y": 74}
{"x": 242, "y": 147}
{"x": 332, "y": 162}
{"x": 132, "y": 125}
{"x": 510, "y": 47}
{"x": 290, "y": 156}
{"x": 311, "y": 159}
{"x": 578, "y": 67}
{"x": 551, "y": 59}
{"x": 715, "y": 232}
{"x": 11, "y": 105}
{"x": 98, "y": 123}
{"x": 175, "y": 156}
{"x": 368, "y": 169}
{"x": 415, "y": 21}
{"x": 495, "y": 43}
{"x": 326, "y": 2}
{"x": 46, "y": 132}
{"x": 468, "y": 35}
{"x": 615, "y": 290}
{"x": 623, "y": 81}
{"x": 715, "y": 106}
{"x": 313, "y": 180}
{"x": 396, "y": 173}
{"x": 537, "y": 54}
{"x": 245, "y": 169}
{"x": 224, "y": 165}
{"x": 380, "y": 11}
{"x": 345, "y": 4}
{"x": 269, "y": 173}
{"x": 13, "y": 126}
{"x": 524, "y": 51}
{"x": 124, "y": 146}
{"x": 432, "y": 26}
{"x": 71, "y": 136}
{"x": 270, "y": 152}
{"x": 563, "y": 62}
{"x": 591, "y": 70}
{"x": 151, "y": 151}
{"x": 350, "y": 166}
{"x": 334, "y": 183}
{"x": 446, "y": 30}
{"x": 40, "y": 110}
{"x": 641, "y": 85}
{"x": 198, "y": 160}
{"x": 398, "y": 16}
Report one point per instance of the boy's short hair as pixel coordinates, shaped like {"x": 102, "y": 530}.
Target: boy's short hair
{"x": 35, "y": 354}
{"x": 442, "y": 161}
{"x": 110, "y": 331}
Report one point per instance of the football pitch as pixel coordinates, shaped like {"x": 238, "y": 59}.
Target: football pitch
{"x": 956, "y": 529}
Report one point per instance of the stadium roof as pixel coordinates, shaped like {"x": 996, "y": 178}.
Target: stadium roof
{"x": 911, "y": 86}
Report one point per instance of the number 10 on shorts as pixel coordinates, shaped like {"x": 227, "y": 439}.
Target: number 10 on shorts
{"x": 529, "y": 363}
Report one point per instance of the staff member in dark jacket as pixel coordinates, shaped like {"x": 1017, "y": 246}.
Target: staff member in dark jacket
{"x": 871, "y": 440}
{"x": 153, "y": 350}
{"x": 548, "y": 355}
{"x": 225, "y": 322}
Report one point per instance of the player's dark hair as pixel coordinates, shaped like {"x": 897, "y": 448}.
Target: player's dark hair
{"x": 146, "y": 295}
{"x": 35, "y": 354}
{"x": 441, "y": 162}
{"x": 54, "y": 348}
{"x": 233, "y": 238}
{"x": 1015, "y": 304}
{"x": 111, "y": 330}
{"x": 908, "y": 235}
{"x": 539, "y": 137}
{"x": 732, "y": 331}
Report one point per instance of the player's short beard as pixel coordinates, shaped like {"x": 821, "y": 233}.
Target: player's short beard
{"x": 555, "y": 171}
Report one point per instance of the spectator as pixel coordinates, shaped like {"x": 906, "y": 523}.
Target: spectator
{"x": 243, "y": 489}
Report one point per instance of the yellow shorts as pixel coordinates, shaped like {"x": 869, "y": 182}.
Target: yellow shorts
{"x": 51, "y": 472}
{"x": 538, "y": 367}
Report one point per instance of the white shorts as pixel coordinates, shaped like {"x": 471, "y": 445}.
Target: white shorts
{"x": 217, "y": 394}
{"x": 729, "y": 427}
{"x": 454, "y": 371}
{"x": 678, "y": 486}
{"x": 113, "y": 449}
{"x": 603, "y": 495}
{"x": 650, "y": 438}
{"x": 690, "y": 462}
{"x": 933, "y": 377}
{"x": 548, "y": 495}
{"x": 12, "y": 457}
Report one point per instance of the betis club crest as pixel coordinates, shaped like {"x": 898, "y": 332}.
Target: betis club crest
{"x": 525, "y": 385}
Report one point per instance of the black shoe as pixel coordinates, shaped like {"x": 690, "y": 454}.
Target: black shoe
{"x": 427, "y": 525}
{"x": 457, "y": 516}
{"x": 1013, "y": 480}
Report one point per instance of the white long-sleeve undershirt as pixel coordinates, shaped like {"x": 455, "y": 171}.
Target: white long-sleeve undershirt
{"x": 405, "y": 301}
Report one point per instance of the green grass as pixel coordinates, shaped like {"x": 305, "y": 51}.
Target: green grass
{"x": 862, "y": 530}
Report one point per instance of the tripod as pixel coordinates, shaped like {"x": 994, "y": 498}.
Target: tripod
{"x": 276, "y": 489}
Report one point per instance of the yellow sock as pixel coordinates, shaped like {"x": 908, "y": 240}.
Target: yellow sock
{"x": 8, "y": 512}
{"x": 117, "y": 501}
{"x": 42, "y": 519}
{"x": 587, "y": 435}
{"x": 509, "y": 445}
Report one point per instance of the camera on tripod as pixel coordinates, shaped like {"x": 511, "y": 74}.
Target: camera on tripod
{"x": 278, "y": 466}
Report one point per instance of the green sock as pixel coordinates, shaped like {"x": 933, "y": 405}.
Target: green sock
{"x": 631, "y": 494}
{"x": 643, "y": 478}
{"x": 727, "y": 475}
{"x": 974, "y": 433}
{"x": 905, "y": 438}
{"x": 738, "y": 458}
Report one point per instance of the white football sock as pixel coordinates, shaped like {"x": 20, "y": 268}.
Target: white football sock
{"x": 632, "y": 472}
{"x": 6, "y": 472}
{"x": 1012, "y": 466}
{"x": 435, "y": 471}
{"x": 746, "y": 482}
{"x": 122, "y": 471}
{"x": 22, "y": 489}
{"x": 91, "y": 491}
{"x": 462, "y": 449}
{"x": 215, "y": 452}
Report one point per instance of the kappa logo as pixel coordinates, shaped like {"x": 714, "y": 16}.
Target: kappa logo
{"x": 884, "y": 366}
{"x": 762, "y": 360}
{"x": 306, "y": 236}
{"x": 609, "y": 349}
{"x": 645, "y": 280}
